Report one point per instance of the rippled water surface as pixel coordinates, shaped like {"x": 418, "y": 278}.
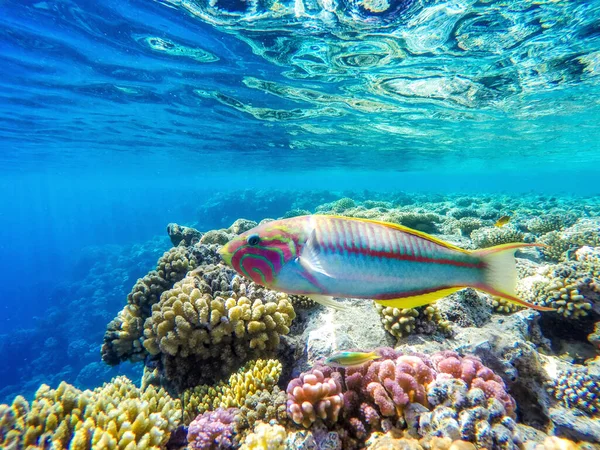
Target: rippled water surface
{"x": 301, "y": 83}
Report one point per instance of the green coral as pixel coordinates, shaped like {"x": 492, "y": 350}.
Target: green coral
{"x": 491, "y": 236}
{"x": 211, "y": 321}
{"x": 401, "y": 322}
{"x": 247, "y": 384}
{"x": 577, "y": 389}
{"x": 122, "y": 340}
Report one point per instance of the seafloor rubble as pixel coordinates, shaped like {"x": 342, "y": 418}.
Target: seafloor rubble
{"x": 229, "y": 364}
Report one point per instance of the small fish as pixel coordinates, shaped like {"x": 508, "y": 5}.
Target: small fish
{"x": 324, "y": 257}
{"x": 350, "y": 359}
{"x": 502, "y": 221}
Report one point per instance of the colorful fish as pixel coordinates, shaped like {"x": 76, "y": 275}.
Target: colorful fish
{"x": 502, "y": 221}
{"x": 329, "y": 256}
{"x": 350, "y": 359}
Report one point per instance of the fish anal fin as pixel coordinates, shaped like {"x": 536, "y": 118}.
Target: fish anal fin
{"x": 419, "y": 300}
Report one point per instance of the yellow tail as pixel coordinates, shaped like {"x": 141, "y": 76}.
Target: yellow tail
{"x": 500, "y": 274}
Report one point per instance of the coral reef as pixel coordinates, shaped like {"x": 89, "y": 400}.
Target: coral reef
{"x": 266, "y": 405}
{"x": 211, "y": 322}
{"x": 182, "y": 235}
{"x": 559, "y": 244}
{"x": 116, "y": 415}
{"x": 122, "y": 340}
{"x": 313, "y": 395}
{"x": 577, "y": 389}
{"x": 257, "y": 377}
{"x": 212, "y": 430}
{"x": 491, "y": 236}
{"x": 571, "y": 287}
{"x": 422, "y": 320}
{"x": 444, "y": 395}
{"x": 265, "y": 437}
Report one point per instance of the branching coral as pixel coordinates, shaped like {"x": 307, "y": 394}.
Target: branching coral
{"x": 266, "y": 406}
{"x": 422, "y": 320}
{"x": 256, "y": 376}
{"x": 559, "y": 244}
{"x": 491, "y": 236}
{"x": 212, "y": 430}
{"x": 265, "y": 437}
{"x": 182, "y": 235}
{"x": 503, "y": 306}
{"x": 456, "y": 397}
{"x": 571, "y": 287}
{"x": 203, "y": 329}
{"x": 122, "y": 340}
{"x": 116, "y": 415}
{"x": 313, "y": 395}
{"x": 577, "y": 389}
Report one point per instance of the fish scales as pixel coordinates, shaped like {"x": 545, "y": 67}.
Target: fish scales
{"x": 375, "y": 265}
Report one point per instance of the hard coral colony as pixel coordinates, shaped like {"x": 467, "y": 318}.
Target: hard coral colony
{"x": 229, "y": 363}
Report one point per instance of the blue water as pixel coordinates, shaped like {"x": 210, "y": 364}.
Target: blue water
{"x": 119, "y": 117}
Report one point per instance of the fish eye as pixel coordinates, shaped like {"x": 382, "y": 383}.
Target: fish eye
{"x": 253, "y": 239}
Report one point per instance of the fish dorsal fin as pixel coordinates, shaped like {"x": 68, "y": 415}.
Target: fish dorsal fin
{"x": 310, "y": 258}
{"x": 418, "y": 300}
{"x": 404, "y": 229}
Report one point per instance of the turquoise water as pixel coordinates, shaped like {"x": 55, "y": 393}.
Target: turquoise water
{"x": 120, "y": 117}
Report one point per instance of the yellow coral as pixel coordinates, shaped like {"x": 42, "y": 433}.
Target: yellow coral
{"x": 116, "y": 415}
{"x": 255, "y": 376}
{"x": 401, "y": 322}
{"x": 265, "y": 437}
{"x": 122, "y": 340}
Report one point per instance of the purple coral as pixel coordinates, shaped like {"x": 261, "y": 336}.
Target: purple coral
{"x": 212, "y": 430}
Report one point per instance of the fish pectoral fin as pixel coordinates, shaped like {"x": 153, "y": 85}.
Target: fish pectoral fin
{"x": 310, "y": 258}
{"x": 418, "y": 300}
{"x": 326, "y": 300}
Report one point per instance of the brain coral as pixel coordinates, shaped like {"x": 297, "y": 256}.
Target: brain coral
{"x": 122, "y": 340}
{"x": 115, "y": 416}
{"x": 212, "y": 321}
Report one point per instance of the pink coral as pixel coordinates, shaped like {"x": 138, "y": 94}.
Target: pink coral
{"x": 472, "y": 371}
{"x": 314, "y": 395}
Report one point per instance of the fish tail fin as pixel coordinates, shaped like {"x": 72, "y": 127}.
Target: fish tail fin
{"x": 374, "y": 355}
{"x": 500, "y": 273}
